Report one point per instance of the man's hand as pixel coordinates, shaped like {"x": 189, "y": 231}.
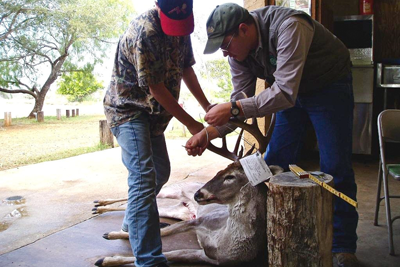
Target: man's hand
{"x": 210, "y": 107}
{"x": 219, "y": 114}
{"x": 196, "y": 145}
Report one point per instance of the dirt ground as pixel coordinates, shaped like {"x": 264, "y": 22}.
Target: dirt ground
{"x": 20, "y": 144}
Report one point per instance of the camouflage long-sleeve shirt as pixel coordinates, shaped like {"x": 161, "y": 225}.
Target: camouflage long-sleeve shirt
{"x": 145, "y": 56}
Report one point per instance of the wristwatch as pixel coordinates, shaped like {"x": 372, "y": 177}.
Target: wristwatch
{"x": 234, "y": 109}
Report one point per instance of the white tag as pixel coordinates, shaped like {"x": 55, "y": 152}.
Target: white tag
{"x": 257, "y": 171}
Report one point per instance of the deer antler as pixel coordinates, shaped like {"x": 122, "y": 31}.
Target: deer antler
{"x": 252, "y": 129}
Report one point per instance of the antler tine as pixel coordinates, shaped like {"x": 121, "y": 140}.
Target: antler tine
{"x": 240, "y": 155}
{"x": 250, "y": 151}
{"x": 253, "y": 129}
{"x": 235, "y": 150}
{"x": 270, "y": 129}
{"x": 224, "y": 145}
{"x": 223, "y": 151}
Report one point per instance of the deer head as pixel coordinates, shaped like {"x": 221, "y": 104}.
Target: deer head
{"x": 226, "y": 184}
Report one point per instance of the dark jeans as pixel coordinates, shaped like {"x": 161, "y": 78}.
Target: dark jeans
{"x": 331, "y": 114}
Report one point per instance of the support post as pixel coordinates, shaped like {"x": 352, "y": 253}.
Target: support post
{"x": 73, "y": 112}
{"x": 106, "y": 136}
{"x": 67, "y": 113}
{"x": 40, "y": 116}
{"x": 299, "y": 222}
{"x": 77, "y": 112}
{"x": 7, "y": 119}
{"x": 58, "y": 111}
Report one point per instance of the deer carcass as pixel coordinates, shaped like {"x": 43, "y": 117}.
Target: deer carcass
{"x": 230, "y": 225}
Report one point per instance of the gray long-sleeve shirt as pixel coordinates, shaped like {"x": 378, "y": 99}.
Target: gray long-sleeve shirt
{"x": 294, "y": 40}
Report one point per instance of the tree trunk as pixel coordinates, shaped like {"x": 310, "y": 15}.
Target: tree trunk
{"x": 39, "y": 101}
{"x": 299, "y": 222}
{"x": 34, "y": 111}
{"x": 41, "y": 95}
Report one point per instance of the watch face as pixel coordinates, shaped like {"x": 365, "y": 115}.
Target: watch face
{"x": 235, "y": 111}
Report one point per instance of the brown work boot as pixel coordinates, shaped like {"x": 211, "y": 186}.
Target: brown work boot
{"x": 346, "y": 259}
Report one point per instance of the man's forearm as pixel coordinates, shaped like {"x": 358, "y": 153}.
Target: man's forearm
{"x": 165, "y": 99}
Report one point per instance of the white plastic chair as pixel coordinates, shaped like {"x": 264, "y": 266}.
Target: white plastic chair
{"x": 388, "y": 131}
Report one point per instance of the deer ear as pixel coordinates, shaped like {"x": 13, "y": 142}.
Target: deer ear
{"x": 275, "y": 169}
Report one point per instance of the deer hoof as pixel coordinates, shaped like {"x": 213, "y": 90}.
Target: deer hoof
{"x": 99, "y": 262}
{"x": 105, "y": 236}
{"x": 163, "y": 224}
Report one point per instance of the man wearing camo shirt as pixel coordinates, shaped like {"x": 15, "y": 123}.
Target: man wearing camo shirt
{"x": 152, "y": 57}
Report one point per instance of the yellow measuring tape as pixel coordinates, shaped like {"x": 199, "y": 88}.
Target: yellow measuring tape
{"x": 303, "y": 174}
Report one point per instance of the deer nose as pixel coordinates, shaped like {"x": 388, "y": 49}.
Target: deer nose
{"x": 198, "y": 196}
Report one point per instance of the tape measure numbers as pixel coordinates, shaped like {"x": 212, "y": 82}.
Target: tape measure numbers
{"x": 303, "y": 174}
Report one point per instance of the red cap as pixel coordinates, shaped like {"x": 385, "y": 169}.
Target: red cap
{"x": 176, "y": 17}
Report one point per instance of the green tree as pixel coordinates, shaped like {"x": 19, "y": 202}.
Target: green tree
{"x": 218, "y": 71}
{"x": 79, "y": 84}
{"x": 42, "y": 39}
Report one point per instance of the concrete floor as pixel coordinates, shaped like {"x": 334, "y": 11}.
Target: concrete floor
{"x": 54, "y": 226}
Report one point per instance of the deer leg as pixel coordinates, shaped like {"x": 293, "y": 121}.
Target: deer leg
{"x": 101, "y": 210}
{"x": 105, "y": 202}
{"x": 116, "y": 235}
{"x": 179, "y": 227}
{"x": 115, "y": 261}
{"x": 182, "y": 255}
{"x": 189, "y": 256}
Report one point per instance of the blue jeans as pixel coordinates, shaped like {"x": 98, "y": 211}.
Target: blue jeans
{"x": 147, "y": 161}
{"x": 331, "y": 114}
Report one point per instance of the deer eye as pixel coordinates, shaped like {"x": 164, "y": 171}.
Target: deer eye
{"x": 229, "y": 177}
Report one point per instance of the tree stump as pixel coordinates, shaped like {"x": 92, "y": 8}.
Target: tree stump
{"x": 58, "y": 111}
{"x": 106, "y": 136}
{"x": 77, "y": 112}
{"x": 7, "y": 119}
{"x": 67, "y": 113}
{"x": 73, "y": 112}
{"x": 40, "y": 116}
{"x": 299, "y": 222}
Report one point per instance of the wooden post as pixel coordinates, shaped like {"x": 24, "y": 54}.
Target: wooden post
{"x": 67, "y": 113}
{"x": 40, "y": 116}
{"x": 58, "y": 111}
{"x": 299, "y": 222}
{"x": 106, "y": 136}
{"x": 73, "y": 112}
{"x": 77, "y": 112}
{"x": 7, "y": 119}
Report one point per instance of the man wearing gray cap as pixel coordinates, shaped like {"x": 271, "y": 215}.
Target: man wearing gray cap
{"x": 309, "y": 79}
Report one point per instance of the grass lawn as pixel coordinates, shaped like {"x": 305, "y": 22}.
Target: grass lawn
{"x": 27, "y": 141}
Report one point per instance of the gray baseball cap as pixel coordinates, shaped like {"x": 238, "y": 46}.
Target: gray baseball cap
{"x": 223, "y": 19}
